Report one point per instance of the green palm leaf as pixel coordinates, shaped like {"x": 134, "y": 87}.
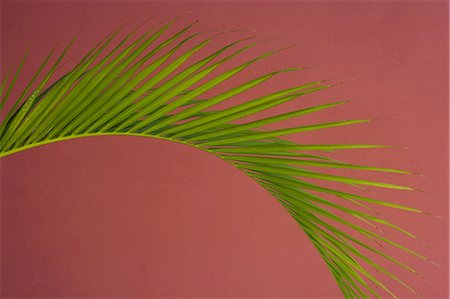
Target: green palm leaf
{"x": 151, "y": 87}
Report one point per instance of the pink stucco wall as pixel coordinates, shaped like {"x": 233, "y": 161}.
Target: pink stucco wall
{"x": 129, "y": 217}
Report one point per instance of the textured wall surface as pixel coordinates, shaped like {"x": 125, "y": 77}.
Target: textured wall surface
{"x": 131, "y": 217}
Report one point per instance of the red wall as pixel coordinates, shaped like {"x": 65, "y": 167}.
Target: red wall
{"x": 130, "y": 217}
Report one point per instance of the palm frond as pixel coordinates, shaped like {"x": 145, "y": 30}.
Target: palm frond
{"x": 148, "y": 86}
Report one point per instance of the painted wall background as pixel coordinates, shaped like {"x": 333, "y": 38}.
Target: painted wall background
{"x": 128, "y": 217}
